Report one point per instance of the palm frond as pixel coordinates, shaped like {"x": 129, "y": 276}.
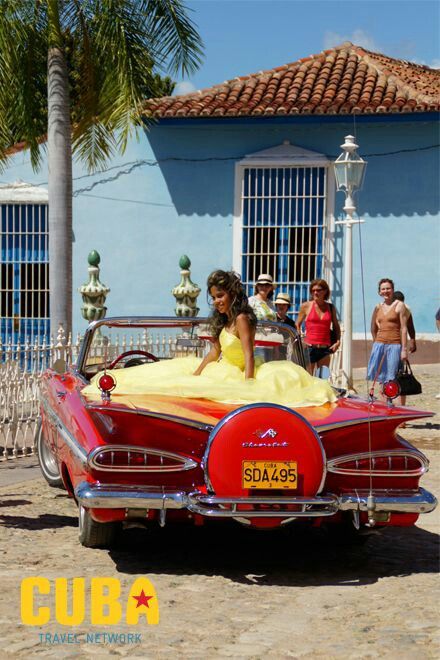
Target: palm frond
{"x": 113, "y": 51}
{"x": 95, "y": 145}
{"x": 22, "y": 77}
{"x": 173, "y": 34}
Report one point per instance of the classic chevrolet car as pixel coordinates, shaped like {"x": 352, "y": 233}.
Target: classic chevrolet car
{"x": 157, "y": 458}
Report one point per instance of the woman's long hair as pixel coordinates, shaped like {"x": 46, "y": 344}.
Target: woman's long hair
{"x": 231, "y": 283}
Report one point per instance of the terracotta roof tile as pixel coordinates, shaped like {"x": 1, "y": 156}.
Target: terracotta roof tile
{"x": 346, "y": 79}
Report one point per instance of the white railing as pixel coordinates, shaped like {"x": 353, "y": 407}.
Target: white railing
{"x": 22, "y": 366}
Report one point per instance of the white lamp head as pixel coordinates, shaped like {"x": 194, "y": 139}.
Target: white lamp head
{"x": 349, "y": 167}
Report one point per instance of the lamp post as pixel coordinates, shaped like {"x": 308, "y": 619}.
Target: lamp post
{"x": 349, "y": 170}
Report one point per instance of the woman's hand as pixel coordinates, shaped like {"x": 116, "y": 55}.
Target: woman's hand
{"x": 334, "y": 347}
{"x": 412, "y": 345}
{"x": 212, "y": 356}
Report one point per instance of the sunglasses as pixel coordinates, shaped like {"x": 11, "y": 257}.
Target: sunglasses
{"x": 317, "y": 290}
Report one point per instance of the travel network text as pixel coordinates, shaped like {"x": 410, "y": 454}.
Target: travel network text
{"x": 90, "y": 638}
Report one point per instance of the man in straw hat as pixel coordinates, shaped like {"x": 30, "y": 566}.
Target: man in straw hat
{"x": 282, "y": 304}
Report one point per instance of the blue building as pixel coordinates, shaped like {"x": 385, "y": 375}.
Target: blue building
{"x": 239, "y": 176}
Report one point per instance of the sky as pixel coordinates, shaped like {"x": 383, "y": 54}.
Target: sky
{"x": 246, "y": 36}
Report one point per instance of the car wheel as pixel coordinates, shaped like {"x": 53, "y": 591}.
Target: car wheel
{"x": 94, "y": 534}
{"x": 48, "y": 463}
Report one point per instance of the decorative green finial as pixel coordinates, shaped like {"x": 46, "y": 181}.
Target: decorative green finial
{"x": 186, "y": 291}
{"x": 93, "y": 292}
{"x": 94, "y": 258}
{"x": 184, "y": 262}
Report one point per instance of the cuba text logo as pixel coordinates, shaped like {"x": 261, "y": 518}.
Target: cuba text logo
{"x": 43, "y": 602}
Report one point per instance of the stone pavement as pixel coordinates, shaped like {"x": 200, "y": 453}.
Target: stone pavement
{"x": 229, "y": 592}
{"x": 14, "y": 471}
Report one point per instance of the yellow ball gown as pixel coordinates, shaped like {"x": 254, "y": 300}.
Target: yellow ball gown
{"x": 280, "y": 382}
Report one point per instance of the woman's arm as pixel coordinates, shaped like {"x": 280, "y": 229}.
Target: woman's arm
{"x": 373, "y": 326}
{"x": 212, "y": 356}
{"x": 246, "y": 334}
{"x": 337, "y": 328}
{"x": 412, "y": 346}
{"x": 303, "y": 311}
{"x": 403, "y": 330}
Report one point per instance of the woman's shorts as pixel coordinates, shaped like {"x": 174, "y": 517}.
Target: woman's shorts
{"x": 318, "y": 353}
{"x": 390, "y": 363}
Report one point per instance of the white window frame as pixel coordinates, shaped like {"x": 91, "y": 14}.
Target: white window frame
{"x": 14, "y": 196}
{"x": 286, "y": 156}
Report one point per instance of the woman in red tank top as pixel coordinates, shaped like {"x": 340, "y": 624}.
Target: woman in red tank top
{"x": 319, "y": 316}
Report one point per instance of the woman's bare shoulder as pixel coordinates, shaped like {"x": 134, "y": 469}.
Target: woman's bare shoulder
{"x": 242, "y": 319}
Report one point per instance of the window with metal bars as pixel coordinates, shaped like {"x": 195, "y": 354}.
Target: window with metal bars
{"x": 24, "y": 273}
{"x": 283, "y": 213}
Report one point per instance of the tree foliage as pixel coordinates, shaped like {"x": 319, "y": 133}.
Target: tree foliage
{"x": 117, "y": 53}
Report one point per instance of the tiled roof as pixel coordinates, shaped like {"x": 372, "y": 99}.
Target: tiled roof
{"x": 344, "y": 80}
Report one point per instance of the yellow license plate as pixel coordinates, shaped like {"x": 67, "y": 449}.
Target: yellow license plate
{"x": 270, "y": 474}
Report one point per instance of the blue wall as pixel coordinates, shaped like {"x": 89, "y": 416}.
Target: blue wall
{"x": 399, "y": 202}
{"x": 156, "y": 213}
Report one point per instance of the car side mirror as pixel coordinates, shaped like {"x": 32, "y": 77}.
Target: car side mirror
{"x": 59, "y": 366}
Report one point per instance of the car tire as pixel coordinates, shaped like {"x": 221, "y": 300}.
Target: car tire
{"x": 94, "y": 534}
{"x": 48, "y": 463}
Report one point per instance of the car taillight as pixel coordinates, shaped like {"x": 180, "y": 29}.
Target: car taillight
{"x": 394, "y": 463}
{"x": 391, "y": 389}
{"x": 127, "y": 459}
{"x": 121, "y": 458}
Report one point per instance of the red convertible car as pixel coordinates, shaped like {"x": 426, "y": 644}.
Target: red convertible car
{"x": 149, "y": 458}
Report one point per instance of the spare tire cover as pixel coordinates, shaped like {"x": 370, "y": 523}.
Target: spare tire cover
{"x": 264, "y": 436}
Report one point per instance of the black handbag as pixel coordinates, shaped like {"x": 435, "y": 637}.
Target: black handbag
{"x": 333, "y": 334}
{"x": 407, "y": 381}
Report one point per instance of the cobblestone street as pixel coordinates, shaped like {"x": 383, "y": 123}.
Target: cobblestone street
{"x": 226, "y": 591}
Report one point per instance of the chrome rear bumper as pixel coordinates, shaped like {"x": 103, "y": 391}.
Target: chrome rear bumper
{"x": 392, "y": 501}
{"x": 116, "y": 496}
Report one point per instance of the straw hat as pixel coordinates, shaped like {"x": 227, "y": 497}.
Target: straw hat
{"x": 283, "y": 299}
{"x": 264, "y": 278}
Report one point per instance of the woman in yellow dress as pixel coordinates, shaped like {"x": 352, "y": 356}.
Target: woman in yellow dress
{"x": 232, "y": 315}
{"x": 228, "y": 373}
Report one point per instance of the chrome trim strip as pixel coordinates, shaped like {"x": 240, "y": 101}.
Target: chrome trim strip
{"x": 209, "y": 427}
{"x": 249, "y": 406}
{"x": 363, "y": 420}
{"x": 183, "y": 463}
{"x": 399, "y": 501}
{"x": 333, "y": 465}
{"x": 69, "y": 439}
{"x": 147, "y": 413}
{"x": 131, "y": 322}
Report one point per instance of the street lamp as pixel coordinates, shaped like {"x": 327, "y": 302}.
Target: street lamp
{"x": 349, "y": 170}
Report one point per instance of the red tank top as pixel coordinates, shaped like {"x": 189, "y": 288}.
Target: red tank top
{"x": 318, "y": 329}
